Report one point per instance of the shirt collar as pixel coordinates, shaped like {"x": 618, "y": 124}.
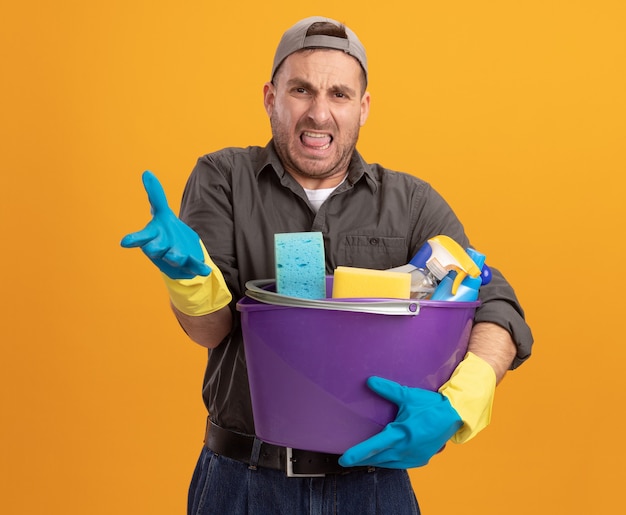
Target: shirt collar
{"x": 357, "y": 170}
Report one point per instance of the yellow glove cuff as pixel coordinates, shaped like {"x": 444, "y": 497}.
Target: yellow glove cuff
{"x": 471, "y": 390}
{"x": 200, "y": 295}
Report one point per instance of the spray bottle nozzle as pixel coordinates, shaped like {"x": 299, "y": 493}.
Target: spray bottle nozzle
{"x": 448, "y": 255}
{"x": 434, "y": 260}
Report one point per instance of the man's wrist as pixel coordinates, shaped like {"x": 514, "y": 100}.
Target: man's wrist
{"x": 202, "y": 294}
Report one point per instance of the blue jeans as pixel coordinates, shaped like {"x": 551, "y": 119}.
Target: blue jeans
{"x": 222, "y": 486}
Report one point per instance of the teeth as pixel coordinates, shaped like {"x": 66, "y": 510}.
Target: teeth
{"x": 323, "y": 144}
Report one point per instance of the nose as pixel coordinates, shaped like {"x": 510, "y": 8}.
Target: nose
{"x": 319, "y": 110}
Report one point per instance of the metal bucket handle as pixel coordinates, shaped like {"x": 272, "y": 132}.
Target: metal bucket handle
{"x": 254, "y": 290}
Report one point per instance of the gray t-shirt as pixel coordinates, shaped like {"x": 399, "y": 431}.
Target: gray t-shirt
{"x": 236, "y": 199}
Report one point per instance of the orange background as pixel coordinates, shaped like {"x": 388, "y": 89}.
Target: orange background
{"x": 515, "y": 111}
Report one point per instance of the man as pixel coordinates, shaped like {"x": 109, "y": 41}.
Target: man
{"x": 311, "y": 178}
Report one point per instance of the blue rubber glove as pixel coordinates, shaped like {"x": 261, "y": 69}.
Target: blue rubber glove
{"x": 425, "y": 422}
{"x": 171, "y": 245}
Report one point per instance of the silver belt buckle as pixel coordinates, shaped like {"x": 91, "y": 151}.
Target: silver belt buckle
{"x": 289, "y": 467}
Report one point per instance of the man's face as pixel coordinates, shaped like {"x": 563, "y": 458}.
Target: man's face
{"x": 316, "y": 108}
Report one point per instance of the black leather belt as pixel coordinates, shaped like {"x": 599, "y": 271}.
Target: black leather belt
{"x": 255, "y": 453}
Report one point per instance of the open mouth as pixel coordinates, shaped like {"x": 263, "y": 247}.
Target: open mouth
{"x": 316, "y": 140}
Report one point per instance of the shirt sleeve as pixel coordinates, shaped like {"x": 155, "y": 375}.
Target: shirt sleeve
{"x": 499, "y": 304}
{"x": 207, "y": 208}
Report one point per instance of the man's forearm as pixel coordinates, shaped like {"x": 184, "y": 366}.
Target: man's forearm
{"x": 206, "y": 330}
{"x": 493, "y": 344}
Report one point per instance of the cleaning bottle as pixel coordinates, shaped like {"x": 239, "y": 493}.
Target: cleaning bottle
{"x": 433, "y": 262}
{"x": 467, "y": 291}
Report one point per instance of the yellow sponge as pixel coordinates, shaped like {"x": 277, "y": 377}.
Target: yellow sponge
{"x": 351, "y": 282}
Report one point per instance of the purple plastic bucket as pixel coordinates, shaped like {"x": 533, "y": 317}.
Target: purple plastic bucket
{"x": 307, "y": 368}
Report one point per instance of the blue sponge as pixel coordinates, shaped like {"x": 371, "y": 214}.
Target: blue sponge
{"x": 300, "y": 264}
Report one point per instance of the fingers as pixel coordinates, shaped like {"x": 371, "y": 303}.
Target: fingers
{"x": 139, "y": 238}
{"x": 158, "y": 248}
{"x": 185, "y": 263}
{"x": 171, "y": 245}
{"x": 158, "y": 203}
{"x": 196, "y": 267}
{"x": 387, "y": 389}
{"x": 403, "y": 395}
{"x": 160, "y": 251}
{"x": 156, "y": 194}
{"x": 373, "y": 451}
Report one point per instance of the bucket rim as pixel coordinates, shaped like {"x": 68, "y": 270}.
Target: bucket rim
{"x": 259, "y": 296}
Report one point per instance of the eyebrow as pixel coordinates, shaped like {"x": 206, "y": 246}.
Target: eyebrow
{"x": 307, "y": 85}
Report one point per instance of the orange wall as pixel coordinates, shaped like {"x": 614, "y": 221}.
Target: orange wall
{"x": 515, "y": 111}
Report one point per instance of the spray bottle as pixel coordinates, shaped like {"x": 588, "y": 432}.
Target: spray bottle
{"x": 467, "y": 290}
{"x": 433, "y": 262}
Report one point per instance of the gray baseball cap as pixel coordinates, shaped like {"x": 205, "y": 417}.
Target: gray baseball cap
{"x": 295, "y": 39}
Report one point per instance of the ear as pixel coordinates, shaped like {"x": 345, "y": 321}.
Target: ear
{"x": 269, "y": 96}
{"x": 365, "y": 107}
